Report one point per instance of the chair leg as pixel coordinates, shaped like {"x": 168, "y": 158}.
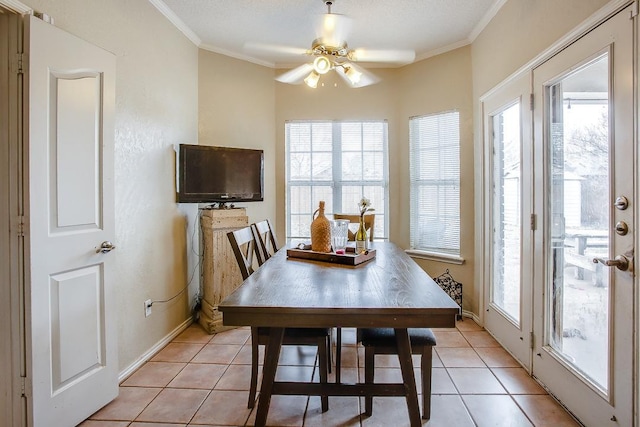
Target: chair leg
{"x": 338, "y": 353}
{"x": 369, "y": 369}
{"x": 329, "y": 345}
{"x": 426, "y": 363}
{"x": 323, "y": 366}
{"x": 254, "y": 368}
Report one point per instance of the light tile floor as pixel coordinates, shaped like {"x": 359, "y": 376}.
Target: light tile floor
{"x": 203, "y": 380}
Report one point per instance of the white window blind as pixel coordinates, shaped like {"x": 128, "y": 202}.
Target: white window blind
{"x": 338, "y": 162}
{"x": 435, "y": 183}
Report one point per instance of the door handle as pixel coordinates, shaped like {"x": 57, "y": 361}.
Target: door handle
{"x": 105, "y": 247}
{"x": 620, "y": 262}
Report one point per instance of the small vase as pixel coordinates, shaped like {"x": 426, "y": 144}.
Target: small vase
{"x": 361, "y": 237}
{"x": 320, "y": 231}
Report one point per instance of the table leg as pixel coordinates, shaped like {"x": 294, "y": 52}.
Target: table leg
{"x": 272, "y": 354}
{"x": 338, "y": 354}
{"x": 406, "y": 366}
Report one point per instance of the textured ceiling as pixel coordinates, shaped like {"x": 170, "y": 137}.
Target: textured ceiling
{"x": 428, "y": 27}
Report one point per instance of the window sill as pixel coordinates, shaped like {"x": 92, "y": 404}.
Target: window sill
{"x": 435, "y": 256}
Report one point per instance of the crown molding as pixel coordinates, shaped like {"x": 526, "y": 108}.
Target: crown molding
{"x": 177, "y": 22}
{"x": 237, "y": 55}
{"x": 15, "y": 6}
{"x": 493, "y": 10}
{"x": 442, "y": 50}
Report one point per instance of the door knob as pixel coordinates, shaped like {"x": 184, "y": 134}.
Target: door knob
{"x": 105, "y": 247}
{"x": 620, "y": 262}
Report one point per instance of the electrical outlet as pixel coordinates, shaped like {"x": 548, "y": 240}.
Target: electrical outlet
{"x": 147, "y": 308}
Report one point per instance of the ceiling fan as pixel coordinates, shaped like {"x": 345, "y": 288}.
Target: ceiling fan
{"x": 329, "y": 51}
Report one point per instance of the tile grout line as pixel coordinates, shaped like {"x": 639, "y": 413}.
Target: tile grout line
{"x": 315, "y": 371}
{"x": 190, "y": 361}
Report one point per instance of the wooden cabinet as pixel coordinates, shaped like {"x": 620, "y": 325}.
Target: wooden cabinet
{"x": 220, "y": 272}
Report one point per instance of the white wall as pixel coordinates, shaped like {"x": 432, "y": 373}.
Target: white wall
{"x": 156, "y": 107}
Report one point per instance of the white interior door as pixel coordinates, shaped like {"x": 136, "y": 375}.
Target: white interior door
{"x": 73, "y": 345}
{"x": 585, "y": 155}
{"x": 508, "y": 154}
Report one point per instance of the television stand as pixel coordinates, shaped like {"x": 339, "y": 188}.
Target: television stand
{"x": 220, "y": 273}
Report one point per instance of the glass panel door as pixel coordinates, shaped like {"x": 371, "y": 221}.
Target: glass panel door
{"x": 579, "y": 291}
{"x": 505, "y": 289}
{"x": 583, "y": 289}
{"x": 508, "y": 183}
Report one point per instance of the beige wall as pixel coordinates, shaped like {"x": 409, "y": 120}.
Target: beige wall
{"x": 236, "y": 109}
{"x": 441, "y": 83}
{"x": 169, "y": 92}
{"x": 437, "y": 84}
{"x": 520, "y": 31}
{"x": 156, "y": 107}
{"x": 335, "y": 101}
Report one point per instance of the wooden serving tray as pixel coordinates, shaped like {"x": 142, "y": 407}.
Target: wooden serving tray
{"x": 348, "y": 258}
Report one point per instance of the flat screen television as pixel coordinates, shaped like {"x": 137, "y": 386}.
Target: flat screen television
{"x": 208, "y": 174}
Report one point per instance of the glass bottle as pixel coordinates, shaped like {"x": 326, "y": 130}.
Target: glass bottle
{"x": 361, "y": 237}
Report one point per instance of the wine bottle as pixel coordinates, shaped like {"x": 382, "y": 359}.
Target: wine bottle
{"x": 361, "y": 237}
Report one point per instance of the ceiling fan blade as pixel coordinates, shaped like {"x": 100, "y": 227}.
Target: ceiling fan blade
{"x": 295, "y": 76}
{"x": 397, "y": 56}
{"x": 362, "y": 77}
{"x": 274, "y": 48}
{"x": 332, "y": 29}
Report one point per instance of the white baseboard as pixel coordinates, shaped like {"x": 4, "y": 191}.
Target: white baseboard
{"x": 471, "y": 315}
{"x": 124, "y": 374}
{"x": 153, "y": 350}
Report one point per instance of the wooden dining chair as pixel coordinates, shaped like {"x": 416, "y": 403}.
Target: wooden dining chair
{"x": 383, "y": 341}
{"x": 267, "y": 245}
{"x": 245, "y": 247}
{"x": 266, "y": 240}
{"x": 369, "y": 220}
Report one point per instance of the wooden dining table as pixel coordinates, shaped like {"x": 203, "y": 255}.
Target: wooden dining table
{"x": 389, "y": 291}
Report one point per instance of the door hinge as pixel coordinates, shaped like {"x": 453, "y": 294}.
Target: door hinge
{"x": 26, "y": 387}
{"x": 17, "y": 64}
{"x": 531, "y": 102}
{"x": 533, "y": 222}
{"x": 21, "y": 225}
{"x": 531, "y": 341}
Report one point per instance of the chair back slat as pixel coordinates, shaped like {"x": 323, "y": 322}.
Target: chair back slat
{"x": 369, "y": 220}
{"x": 266, "y": 241}
{"x": 244, "y": 248}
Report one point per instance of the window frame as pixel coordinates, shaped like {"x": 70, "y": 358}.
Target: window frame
{"x": 432, "y": 252}
{"x": 336, "y": 182}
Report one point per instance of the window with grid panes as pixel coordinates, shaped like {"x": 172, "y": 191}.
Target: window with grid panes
{"x": 338, "y": 162}
{"x": 435, "y": 183}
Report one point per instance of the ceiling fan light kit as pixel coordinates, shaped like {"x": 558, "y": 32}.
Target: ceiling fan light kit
{"x": 322, "y": 65}
{"x": 353, "y": 74}
{"x": 312, "y": 79}
{"x": 330, "y": 52}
